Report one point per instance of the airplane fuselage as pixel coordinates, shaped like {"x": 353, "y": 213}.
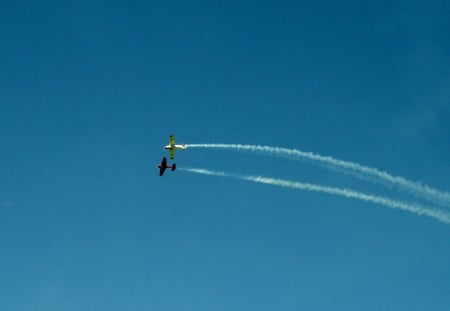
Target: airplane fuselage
{"x": 169, "y": 147}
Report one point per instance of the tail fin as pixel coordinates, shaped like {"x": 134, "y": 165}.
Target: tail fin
{"x": 184, "y": 146}
{"x": 174, "y": 166}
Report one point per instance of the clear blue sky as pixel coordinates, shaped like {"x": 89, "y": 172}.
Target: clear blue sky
{"x": 91, "y": 90}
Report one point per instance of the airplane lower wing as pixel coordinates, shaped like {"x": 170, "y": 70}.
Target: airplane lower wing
{"x": 172, "y": 153}
{"x": 161, "y": 171}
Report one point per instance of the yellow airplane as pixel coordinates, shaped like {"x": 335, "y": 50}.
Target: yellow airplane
{"x": 172, "y": 147}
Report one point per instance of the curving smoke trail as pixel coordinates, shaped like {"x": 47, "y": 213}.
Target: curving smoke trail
{"x": 363, "y": 172}
{"x": 414, "y": 208}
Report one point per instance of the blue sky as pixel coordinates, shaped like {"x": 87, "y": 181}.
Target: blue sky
{"x": 91, "y": 90}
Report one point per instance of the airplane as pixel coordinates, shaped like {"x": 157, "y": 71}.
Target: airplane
{"x": 163, "y": 166}
{"x": 172, "y": 147}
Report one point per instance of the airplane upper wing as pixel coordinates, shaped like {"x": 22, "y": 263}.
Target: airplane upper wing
{"x": 172, "y": 140}
{"x": 172, "y": 153}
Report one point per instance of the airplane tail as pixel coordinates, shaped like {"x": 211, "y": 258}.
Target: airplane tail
{"x": 174, "y": 166}
{"x": 184, "y": 147}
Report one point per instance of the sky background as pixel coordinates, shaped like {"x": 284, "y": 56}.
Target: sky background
{"x": 91, "y": 90}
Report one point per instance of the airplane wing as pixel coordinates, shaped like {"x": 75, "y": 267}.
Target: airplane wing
{"x": 161, "y": 170}
{"x": 172, "y": 140}
{"x": 172, "y": 153}
{"x": 163, "y": 166}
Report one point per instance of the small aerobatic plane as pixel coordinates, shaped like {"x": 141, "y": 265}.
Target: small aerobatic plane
{"x": 163, "y": 166}
{"x": 172, "y": 147}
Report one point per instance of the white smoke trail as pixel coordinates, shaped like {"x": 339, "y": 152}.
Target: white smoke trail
{"x": 358, "y": 170}
{"x": 410, "y": 207}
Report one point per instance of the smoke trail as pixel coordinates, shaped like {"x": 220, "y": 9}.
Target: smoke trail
{"x": 410, "y": 207}
{"x": 358, "y": 170}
